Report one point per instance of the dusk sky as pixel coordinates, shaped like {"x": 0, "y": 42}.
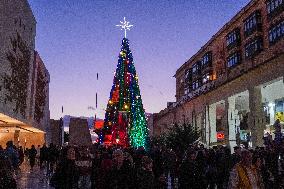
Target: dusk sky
{"x": 77, "y": 39}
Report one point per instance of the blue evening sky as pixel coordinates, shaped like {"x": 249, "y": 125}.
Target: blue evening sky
{"x": 78, "y": 38}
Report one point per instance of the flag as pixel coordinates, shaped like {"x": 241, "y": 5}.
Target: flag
{"x": 96, "y": 100}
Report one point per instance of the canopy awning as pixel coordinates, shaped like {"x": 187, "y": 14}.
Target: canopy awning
{"x": 9, "y": 124}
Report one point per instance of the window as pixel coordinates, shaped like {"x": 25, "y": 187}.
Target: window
{"x": 206, "y": 60}
{"x": 252, "y": 23}
{"x": 206, "y": 78}
{"x": 196, "y": 84}
{"x": 253, "y": 47}
{"x": 233, "y": 38}
{"x": 274, "y": 6}
{"x": 276, "y": 32}
{"x": 234, "y": 59}
{"x": 186, "y": 90}
{"x": 188, "y": 74}
{"x": 196, "y": 68}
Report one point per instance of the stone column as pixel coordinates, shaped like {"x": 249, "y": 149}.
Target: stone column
{"x": 225, "y": 122}
{"x": 212, "y": 123}
{"x": 256, "y": 116}
{"x": 232, "y": 121}
{"x": 206, "y": 124}
{"x": 201, "y": 126}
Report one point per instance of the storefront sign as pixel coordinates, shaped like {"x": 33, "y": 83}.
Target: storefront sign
{"x": 220, "y": 136}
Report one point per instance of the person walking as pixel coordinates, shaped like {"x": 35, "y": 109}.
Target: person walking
{"x": 244, "y": 175}
{"x": 84, "y": 163}
{"x": 96, "y": 170}
{"x": 67, "y": 173}
{"x": 43, "y": 156}
{"x": 51, "y": 158}
{"x": 12, "y": 155}
{"x": 145, "y": 175}
{"x": 7, "y": 180}
{"x": 38, "y": 155}
{"x": 120, "y": 173}
{"x": 21, "y": 155}
{"x": 188, "y": 172}
{"x": 32, "y": 156}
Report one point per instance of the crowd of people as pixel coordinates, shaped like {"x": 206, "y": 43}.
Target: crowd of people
{"x": 12, "y": 157}
{"x": 100, "y": 167}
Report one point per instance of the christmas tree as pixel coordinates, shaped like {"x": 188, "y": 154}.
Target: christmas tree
{"x": 125, "y": 122}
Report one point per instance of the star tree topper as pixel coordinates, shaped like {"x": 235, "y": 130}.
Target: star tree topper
{"x": 124, "y": 26}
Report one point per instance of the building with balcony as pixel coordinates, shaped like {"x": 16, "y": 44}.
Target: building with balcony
{"x": 232, "y": 89}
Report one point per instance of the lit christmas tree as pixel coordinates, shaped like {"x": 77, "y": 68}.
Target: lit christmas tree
{"x": 125, "y": 122}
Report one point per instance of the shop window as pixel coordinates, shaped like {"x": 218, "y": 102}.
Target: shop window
{"x": 244, "y": 121}
{"x": 220, "y": 116}
{"x": 233, "y": 38}
{"x": 274, "y": 7}
{"x": 206, "y": 60}
{"x": 234, "y": 59}
{"x": 279, "y": 110}
{"x": 253, "y": 47}
{"x": 276, "y": 32}
{"x": 252, "y": 23}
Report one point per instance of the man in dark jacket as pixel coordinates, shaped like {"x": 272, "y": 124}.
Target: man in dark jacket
{"x": 7, "y": 180}
{"x": 51, "y": 158}
{"x": 121, "y": 174}
{"x": 32, "y": 156}
{"x": 67, "y": 173}
{"x": 43, "y": 155}
{"x": 188, "y": 172}
{"x": 145, "y": 175}
{"x": 12, "y": 155}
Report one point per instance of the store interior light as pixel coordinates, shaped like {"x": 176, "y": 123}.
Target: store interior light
{"x": 270, "y": 104}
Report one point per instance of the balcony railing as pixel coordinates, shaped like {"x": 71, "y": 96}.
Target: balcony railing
{"x": 199, "y": 91}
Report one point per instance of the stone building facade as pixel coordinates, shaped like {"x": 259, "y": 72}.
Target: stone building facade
{"x": 24, "y": 115}
{"x": 79, "y": 133}
{"x": 232, "y": 89}
{"x": 56, "y": 130}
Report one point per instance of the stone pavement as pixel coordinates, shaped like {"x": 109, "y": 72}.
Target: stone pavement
{"x": 32, "y": 179}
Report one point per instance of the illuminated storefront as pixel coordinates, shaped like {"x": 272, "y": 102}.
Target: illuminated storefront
{"x": 273, "y": 104}
{"x": 20, "y": 133}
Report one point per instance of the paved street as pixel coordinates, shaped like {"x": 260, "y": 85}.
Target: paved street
{"x": 36, "y": 179}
